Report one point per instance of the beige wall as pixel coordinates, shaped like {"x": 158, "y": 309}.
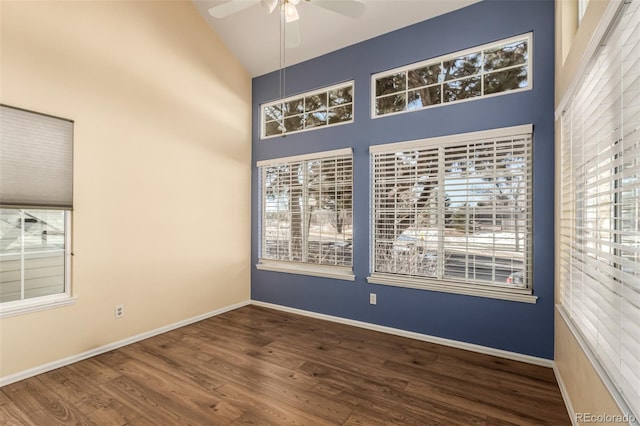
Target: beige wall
{"x": 584, "y": 388}
{"x": 162, "y": 166}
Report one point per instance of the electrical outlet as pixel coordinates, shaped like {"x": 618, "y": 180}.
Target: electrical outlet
{"x": 373, "y": 299}
{"x": 119, "y": 311}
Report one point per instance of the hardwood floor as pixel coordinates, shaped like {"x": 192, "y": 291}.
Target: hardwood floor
{"x": 259, "y": 366}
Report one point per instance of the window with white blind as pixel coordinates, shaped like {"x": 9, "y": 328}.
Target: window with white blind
{"x": 600, "y": 207}
{"x": 306, "y": 214}
{"x": 35, "y": 209}
{"x": 454, "y": 213}
{"x": 329, "y": 106}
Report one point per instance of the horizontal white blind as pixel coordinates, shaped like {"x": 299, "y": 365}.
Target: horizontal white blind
{"x": 36, "y": 160}
{"x": 600, "y": 210}
{"x": 457, "y": 210}
{"x": 307, "y": 209}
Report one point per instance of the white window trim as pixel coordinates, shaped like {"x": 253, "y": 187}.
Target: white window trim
{"x": 431, "y": 61}
{"x": 263, "y": 121}
{"x": 453, "y": 139}
{"x": 303, "y": 268}
{"x": 311, "y": 269}
{"x": 305, "y": 157}
{"x": 36, "y": 304}
{"x": 492, "y": 291}
{"x": 608, "y": 16}
{"x": 445, "y": 286}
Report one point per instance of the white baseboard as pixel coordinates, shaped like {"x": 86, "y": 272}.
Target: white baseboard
{"x": 6, "y": 380}
{"x": 413, "y": 335}
{"x": 565, "y": 396}
{"x": 12, "y": 378}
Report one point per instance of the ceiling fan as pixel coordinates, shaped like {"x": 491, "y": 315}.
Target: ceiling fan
{"x": 350, "y": 8}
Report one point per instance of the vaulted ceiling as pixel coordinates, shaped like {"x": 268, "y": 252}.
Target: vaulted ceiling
{"x": 254, "y": 36}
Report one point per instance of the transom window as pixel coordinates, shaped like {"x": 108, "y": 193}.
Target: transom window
{"x": 306, "y": 218}
{"x": 311, "y": 110}
{"x": 487, "y": 70}
{"x": 454, "y": 213}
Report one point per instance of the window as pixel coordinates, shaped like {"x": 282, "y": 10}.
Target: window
{"x": 327, "y": 107}
{"x": 32, "y": 245}
{"x": 454, "y": 213}
{"x": 35, "y": 204}
{"x": 306, "y": 218}
{"x": 487, "y": 70}
{"x": 600, "y": 208}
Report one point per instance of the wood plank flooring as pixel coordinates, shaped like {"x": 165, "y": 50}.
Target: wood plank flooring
{"x": 258, "y": 366}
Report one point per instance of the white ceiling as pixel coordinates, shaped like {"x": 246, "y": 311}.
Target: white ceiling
{"x": 254, "y": 36}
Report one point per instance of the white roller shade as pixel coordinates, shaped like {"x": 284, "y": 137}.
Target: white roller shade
{"x": 36, "y": 160}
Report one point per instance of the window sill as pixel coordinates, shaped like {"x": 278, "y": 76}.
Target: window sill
{"x": 511, "y": 294}
{"x": 336, "y": 272}
{"x": 20, "y": 307}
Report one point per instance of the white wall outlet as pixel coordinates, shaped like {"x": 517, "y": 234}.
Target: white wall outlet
{"x": 119, "y": 311}
{"x": 373, "y": 299}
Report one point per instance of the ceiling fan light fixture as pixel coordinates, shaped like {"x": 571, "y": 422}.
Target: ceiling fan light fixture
{"x": 290, "y": 12}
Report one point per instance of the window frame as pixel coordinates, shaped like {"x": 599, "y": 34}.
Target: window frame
{"x": 34, "y": 139}
{"x": 35, "y": 304}
{"x": 439, "y": 59}
{"x": 300, "y": 267}
{"x": 482, "y": 289}
{"x": 302, "y": 96}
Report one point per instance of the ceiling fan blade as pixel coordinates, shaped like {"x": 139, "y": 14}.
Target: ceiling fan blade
{"x": 291, "y": 34}
{"x": 229, "y": 8}
{"x": 270, "y": 5}
{"x": 350, "y": 8}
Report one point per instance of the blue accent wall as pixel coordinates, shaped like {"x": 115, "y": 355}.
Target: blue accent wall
{"x": 513, "y": 326}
